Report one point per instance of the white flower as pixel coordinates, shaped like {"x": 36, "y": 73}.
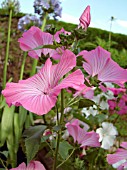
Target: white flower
{"x": 104, "y": 105}
{"x": 107, "y": 135}
{"x": 92, "y": 110}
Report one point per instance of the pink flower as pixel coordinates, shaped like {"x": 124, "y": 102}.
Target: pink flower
{"x": 38, "y": 93}
{"x": 56, "y": 36}
{"x": 33, "y": 165}
{"x": 81, "y": 136}
{"x": 86, "y": 92}
{"x": 119, "y": 159}
{"x": 98, "y": 63}
{"x": 85, "y": 18}
{"x": 34, "y": 38}
{"x": 118, "y": 105}
{"x": 117, "y": 91}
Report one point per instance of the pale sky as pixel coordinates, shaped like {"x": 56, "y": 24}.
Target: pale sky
{"x": 101, "y": 12}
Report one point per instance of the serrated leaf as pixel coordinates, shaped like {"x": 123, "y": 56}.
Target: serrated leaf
{"x": 33, "y": 140}
{"x": 64, "y": 148}
{"x": 85, "y": 103}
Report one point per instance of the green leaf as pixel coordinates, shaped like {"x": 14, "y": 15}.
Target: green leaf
{"x": 7, "y": 122}
{"x": 46, "y": 46}
{"x": 64, "y": 148}
{"x": 82, "y": 118}
{"x": 2, "y": 103}
{"x": 22, "y": 116}
{"x": 57, "y": 128}
{"x": 101, "y": 117}
{"x": 33, "y": 139}
{"x": 85, "y": 103}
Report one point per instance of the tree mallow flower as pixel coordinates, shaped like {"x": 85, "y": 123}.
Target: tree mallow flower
{"x": 99, "y": 65}
{"x": 34, "y": 38}
{"x": 107, "y": 135}
{"x": 81, "y": 136}
{"x": 119, "y": 158}
{"x": 38, "y": 93}
{"x": 33, "y": 165}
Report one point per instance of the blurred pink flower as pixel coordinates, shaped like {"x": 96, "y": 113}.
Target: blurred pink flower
{"x": 33, "y": 165}
{"x": 118, "y": 105}
{"x": 56, "y": 36}
{"x": 119, "y": 158}
{"x": 81, "y": 136}
{"x": 85, "y": 18}
{"x": 98, "y": 63}
{"x": 38, "y": 93}
{"x": 117, "y": 91}
{"x": 34, "y": 38}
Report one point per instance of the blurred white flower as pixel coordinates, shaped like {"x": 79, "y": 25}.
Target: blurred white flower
{"x": 65, "y": 135}
{"x": 107, "y": 135}
{"x": 92, "y": 110}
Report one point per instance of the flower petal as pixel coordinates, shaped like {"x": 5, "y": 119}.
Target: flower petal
{"x": 35, "y": 165}
{"x": 120, "y": 154}
{"x": 32, "y": 93}
{"x": 33, "y": 38}
{"x": 22, "y": 166}
{"x": 91, "y": 139}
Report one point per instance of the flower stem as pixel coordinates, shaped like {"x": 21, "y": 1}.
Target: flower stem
{"x": 66, "y": 158}
{"x": 7, "y": 50}
{"x": 59, "y": 132}
{"x": 35, "y": 61}
{"x": 44, "y": 21}
{"x": 23, "y": 65}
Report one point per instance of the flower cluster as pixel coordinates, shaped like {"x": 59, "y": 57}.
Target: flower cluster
{"x": 50, "y": 6}
{"x": 27, "y": 21}
{"x": 119, "y": 103}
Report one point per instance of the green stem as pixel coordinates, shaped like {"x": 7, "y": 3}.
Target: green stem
{"x": 44, "y": 21}
{"x": 59, "y": 133}
{"x": 2, "y": 163}
{"x": 7, "y": 50}
{"x": 35, "y": 61}
{"x": 56, "y": 151}
{"x": 62, "y": 106}
{"x": 23, "y": 65}
{"x": 66, "y": 158}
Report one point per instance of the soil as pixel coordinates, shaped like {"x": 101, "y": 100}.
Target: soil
{"x": 15, "y": 53}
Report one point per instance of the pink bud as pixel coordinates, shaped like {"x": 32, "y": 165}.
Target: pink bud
{"x": 85, "y": 18}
